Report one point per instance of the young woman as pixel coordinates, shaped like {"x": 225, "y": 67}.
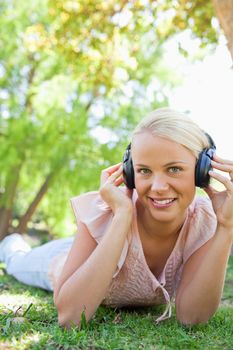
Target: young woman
{"x": 145, "y": 243}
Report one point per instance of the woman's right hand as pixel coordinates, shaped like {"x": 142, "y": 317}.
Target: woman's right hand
{"x": 111, "y": 179}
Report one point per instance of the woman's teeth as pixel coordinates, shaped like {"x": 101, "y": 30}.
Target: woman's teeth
{"x": 164, "y": 201}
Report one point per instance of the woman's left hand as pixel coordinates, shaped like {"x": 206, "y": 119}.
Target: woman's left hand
{"x": 222, "y": 201}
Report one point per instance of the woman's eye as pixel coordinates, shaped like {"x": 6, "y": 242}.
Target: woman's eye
{"x": 144, "y": 171}
{"x": 174, "y": 170}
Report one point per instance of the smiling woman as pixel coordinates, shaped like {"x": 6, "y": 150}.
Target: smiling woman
{"x": 164, "y": 178}
{"x": 147, "y": 242}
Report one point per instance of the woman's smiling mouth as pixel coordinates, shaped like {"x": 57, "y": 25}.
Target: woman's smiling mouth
{"x": 162, "y": 203}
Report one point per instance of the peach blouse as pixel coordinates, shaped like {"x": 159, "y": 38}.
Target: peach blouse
{"x": 133, "y": 283}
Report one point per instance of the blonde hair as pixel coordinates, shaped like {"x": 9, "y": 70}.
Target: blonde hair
{"x": 175, "y": 126}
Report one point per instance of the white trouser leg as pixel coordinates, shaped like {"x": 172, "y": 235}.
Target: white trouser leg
{"x": 27, "y": 265}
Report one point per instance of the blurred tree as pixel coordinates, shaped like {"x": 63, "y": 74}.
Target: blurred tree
{"x": 224, "y": 12}
{"x": 68, "y": 70}
{"x": 72, "y": 72}
{"x": 199, "y": 17}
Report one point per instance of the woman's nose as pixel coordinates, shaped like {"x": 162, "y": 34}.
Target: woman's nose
{"x": 159, "y": 183}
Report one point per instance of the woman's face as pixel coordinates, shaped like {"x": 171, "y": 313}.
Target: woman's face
{"x": 164, "y": 176}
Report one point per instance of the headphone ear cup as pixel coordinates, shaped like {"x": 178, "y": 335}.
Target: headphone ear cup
{"x": 202, "y": 178}
{"x": 128, "y": 172}
{"x": 203, "y": 166}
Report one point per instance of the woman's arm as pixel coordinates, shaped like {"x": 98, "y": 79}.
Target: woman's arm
{"x": 89, "y": 269}
{"x": 203, "y": 277}
{"x": 202, "y": 282}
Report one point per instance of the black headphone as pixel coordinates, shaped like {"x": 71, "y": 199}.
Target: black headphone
{"x": 202, "y": 178}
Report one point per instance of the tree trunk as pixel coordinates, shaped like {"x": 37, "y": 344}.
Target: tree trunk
{"x": 5, "y": 221}
{"x": 7, "y": 201}
{"x": 224, "y": 12}
{"x": 23, "y": 222}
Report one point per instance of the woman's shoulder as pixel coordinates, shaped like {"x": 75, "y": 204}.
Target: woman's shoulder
{"x": 91, "y": 203}
{"x": 86, "y": 198}
{"x": 93, "y": 211}
{"x": 201, "y": 225}
{"x": 90, "y": 209}
{"x": 201, "y": 206}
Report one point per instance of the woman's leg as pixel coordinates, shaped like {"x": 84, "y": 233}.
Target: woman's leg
{"x": 30, "y": 265}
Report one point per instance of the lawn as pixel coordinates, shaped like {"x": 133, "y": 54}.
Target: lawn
{"x": 28, "y": 320}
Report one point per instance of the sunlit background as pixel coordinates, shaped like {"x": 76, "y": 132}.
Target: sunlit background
{"x": 207, "y": 93}
{"x": 67, "y": 80}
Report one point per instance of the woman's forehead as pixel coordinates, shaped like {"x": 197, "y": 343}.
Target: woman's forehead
{"x": 145, "y": 145}
{"x": 149, "y": 140}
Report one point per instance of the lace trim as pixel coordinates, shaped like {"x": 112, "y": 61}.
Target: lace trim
{"x": 168, "y": 310}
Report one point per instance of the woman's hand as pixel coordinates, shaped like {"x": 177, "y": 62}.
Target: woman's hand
{"x": 222, "y": 201}
{"x": 111, "y": 179}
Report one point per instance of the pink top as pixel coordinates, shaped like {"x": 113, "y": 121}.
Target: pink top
{"x": 133, "y": 283}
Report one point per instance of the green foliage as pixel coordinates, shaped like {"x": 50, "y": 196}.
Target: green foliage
{"x": 67, "y": 70}
{"x": 195, "y": 15}
{"x": 61, "y": 62}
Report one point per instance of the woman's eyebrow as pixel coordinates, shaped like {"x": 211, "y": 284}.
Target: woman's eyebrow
{"x": 176, "y": 162}
{"x": 142, "y": 165}
{"x": 167, "y": 164}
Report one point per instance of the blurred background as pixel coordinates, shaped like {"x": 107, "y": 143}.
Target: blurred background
{"x": 75, "y": 78}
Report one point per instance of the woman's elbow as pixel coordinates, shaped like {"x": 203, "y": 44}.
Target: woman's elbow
{"x": 62, "y": 320}
{"x": 192, "y": 319}
{"x": 72, "y": 315}
{"x": 189, "y": 316}
{"x": 66, "y": 321}
{"x": 189, "y": 321}
{"x": 69, "y": 318}
{"x": 64, "y": 316}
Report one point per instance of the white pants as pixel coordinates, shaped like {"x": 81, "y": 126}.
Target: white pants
{"x": 30, "y": 265}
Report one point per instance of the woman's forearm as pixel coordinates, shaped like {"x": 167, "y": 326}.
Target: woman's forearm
{"x": 85, "y": 289}
{"x": 202, "y": 295}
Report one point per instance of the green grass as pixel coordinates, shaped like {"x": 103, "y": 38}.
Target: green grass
{"x": 109, "y": 329}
